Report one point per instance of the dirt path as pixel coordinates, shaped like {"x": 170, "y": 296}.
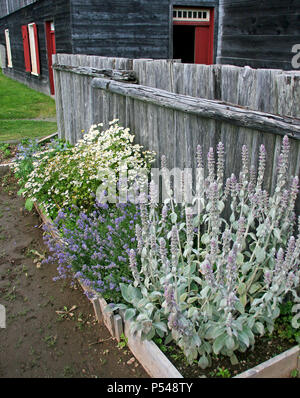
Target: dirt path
{"x": 38, "y": 342}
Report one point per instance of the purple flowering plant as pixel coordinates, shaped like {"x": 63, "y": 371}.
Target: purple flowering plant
{"x": 95, "y": 247}
{"x": 214, "y": 282}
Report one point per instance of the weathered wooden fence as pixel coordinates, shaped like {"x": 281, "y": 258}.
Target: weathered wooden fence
{"x": 267, "y": 90}
{"x": 174, "y": 124}
{"x": 73, "y": 91}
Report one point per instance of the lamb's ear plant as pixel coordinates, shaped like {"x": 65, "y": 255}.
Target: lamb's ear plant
{"x": 213, "y": 282}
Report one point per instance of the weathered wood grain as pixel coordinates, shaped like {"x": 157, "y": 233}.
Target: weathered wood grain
{"x": 280, "y": 366}
{"x": 173, "y": 124}
{"x": 113, "y": 74}
{"x": 267, "y": 90}
{"x": 216, "y": 110}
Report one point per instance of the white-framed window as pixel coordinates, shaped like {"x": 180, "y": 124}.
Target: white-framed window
{"x": 191, "y": 15}
{"x": 34, "y": 49}
{"x": 8, "y": 49}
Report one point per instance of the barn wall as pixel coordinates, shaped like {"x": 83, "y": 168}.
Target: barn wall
{"x": 10, "y": 6}
{"x": 38, "y": 12}
{"x": 201, "y": 4}
{"x": 259, "y": 33}
{"x": 132, "y": 28}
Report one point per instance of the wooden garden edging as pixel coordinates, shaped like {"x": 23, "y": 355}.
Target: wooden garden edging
{"x": 146, "y": 352}
{"x": 280, "y": 366}
{"x": 153, "y": 360}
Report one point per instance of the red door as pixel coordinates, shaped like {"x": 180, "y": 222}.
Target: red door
{"x": 193, "y": 35}
{"x": 202, "y": 50}
{"x": 51, "y": 49}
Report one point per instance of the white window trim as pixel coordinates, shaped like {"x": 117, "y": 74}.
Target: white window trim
{"x": 32, "y": 48}
{"x": 203, "y": 15}
{"x": 8, "y": 49}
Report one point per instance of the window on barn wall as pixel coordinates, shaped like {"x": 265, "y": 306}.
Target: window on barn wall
{"x": 193, "y": 35}
{"x": 34, "y": 49}
{"x": 8, "y": 49}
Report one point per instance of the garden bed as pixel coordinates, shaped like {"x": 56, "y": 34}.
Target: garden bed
{"x": 39, "y": 342}
{"x": 212, "y": 282}
{"x": 271, "y": 357}
{"x": 147, "y": 352}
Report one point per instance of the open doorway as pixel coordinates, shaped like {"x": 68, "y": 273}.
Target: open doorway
{"x": 193, "y": 35}
{"x": 184, "y": 43}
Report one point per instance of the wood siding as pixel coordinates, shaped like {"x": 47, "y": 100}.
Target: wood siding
{"x": 132, "y": 29}
{"x": 10, "y": 6}
{"x": 259, "y": 33}
{"x": 39, "y": 12}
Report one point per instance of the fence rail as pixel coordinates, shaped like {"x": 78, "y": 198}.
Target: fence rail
{"x": 266, "y": 90}
{"x": 174, "y": 124}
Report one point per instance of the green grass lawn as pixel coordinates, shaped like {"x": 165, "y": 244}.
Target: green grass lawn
{"x": 19, "y": 129}
{"x": 18, "y": 102}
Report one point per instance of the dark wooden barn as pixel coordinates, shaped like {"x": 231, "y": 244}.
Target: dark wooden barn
{"x": 258, "y": 33}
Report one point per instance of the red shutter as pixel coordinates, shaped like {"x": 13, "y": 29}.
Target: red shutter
{"x": 36, "y": 49}
{"x": 26, "y": 48}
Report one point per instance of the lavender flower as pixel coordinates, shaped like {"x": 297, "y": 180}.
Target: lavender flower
{"x": 138, "y": 233}
{"x": 261, "y": 166}
{"x": 220, "y": 162}
{"x": 97, "y": 247}
{"x": 133, "y": 266}
{"x": 283, "y": 160}
{"x": 268, "y": 275}
{"x": 211, "y": 165}
{"x": 189, "y": 225}
{"x": 153, "y": 194}
{"x": 207, "y": 271}
{"x": 163, "y": 253}
{"x": 164, "y": 213}
{"x": 174, "y": 246}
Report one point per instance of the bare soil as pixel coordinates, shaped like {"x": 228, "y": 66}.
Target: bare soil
{"x": 265, "y": 348}
{"x": 12, "y": 148}
{"x": 38, "y": 342}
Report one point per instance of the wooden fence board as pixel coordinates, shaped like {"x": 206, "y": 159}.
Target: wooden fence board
{"x": 171, "y": 123}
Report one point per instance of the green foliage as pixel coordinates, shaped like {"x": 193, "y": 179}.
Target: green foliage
{"x": 224, "y": 373}
{"x": 123, "y": 341}
{"x": 216, "y": 284}
{"x": 28, "y": 152}
{"x": 74, "y": 175}
{"x": 283, "y": 325}
{"x": 29, "y": 204}
{"x": 4, "y": 149}
{"x": 295, "y": 373}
